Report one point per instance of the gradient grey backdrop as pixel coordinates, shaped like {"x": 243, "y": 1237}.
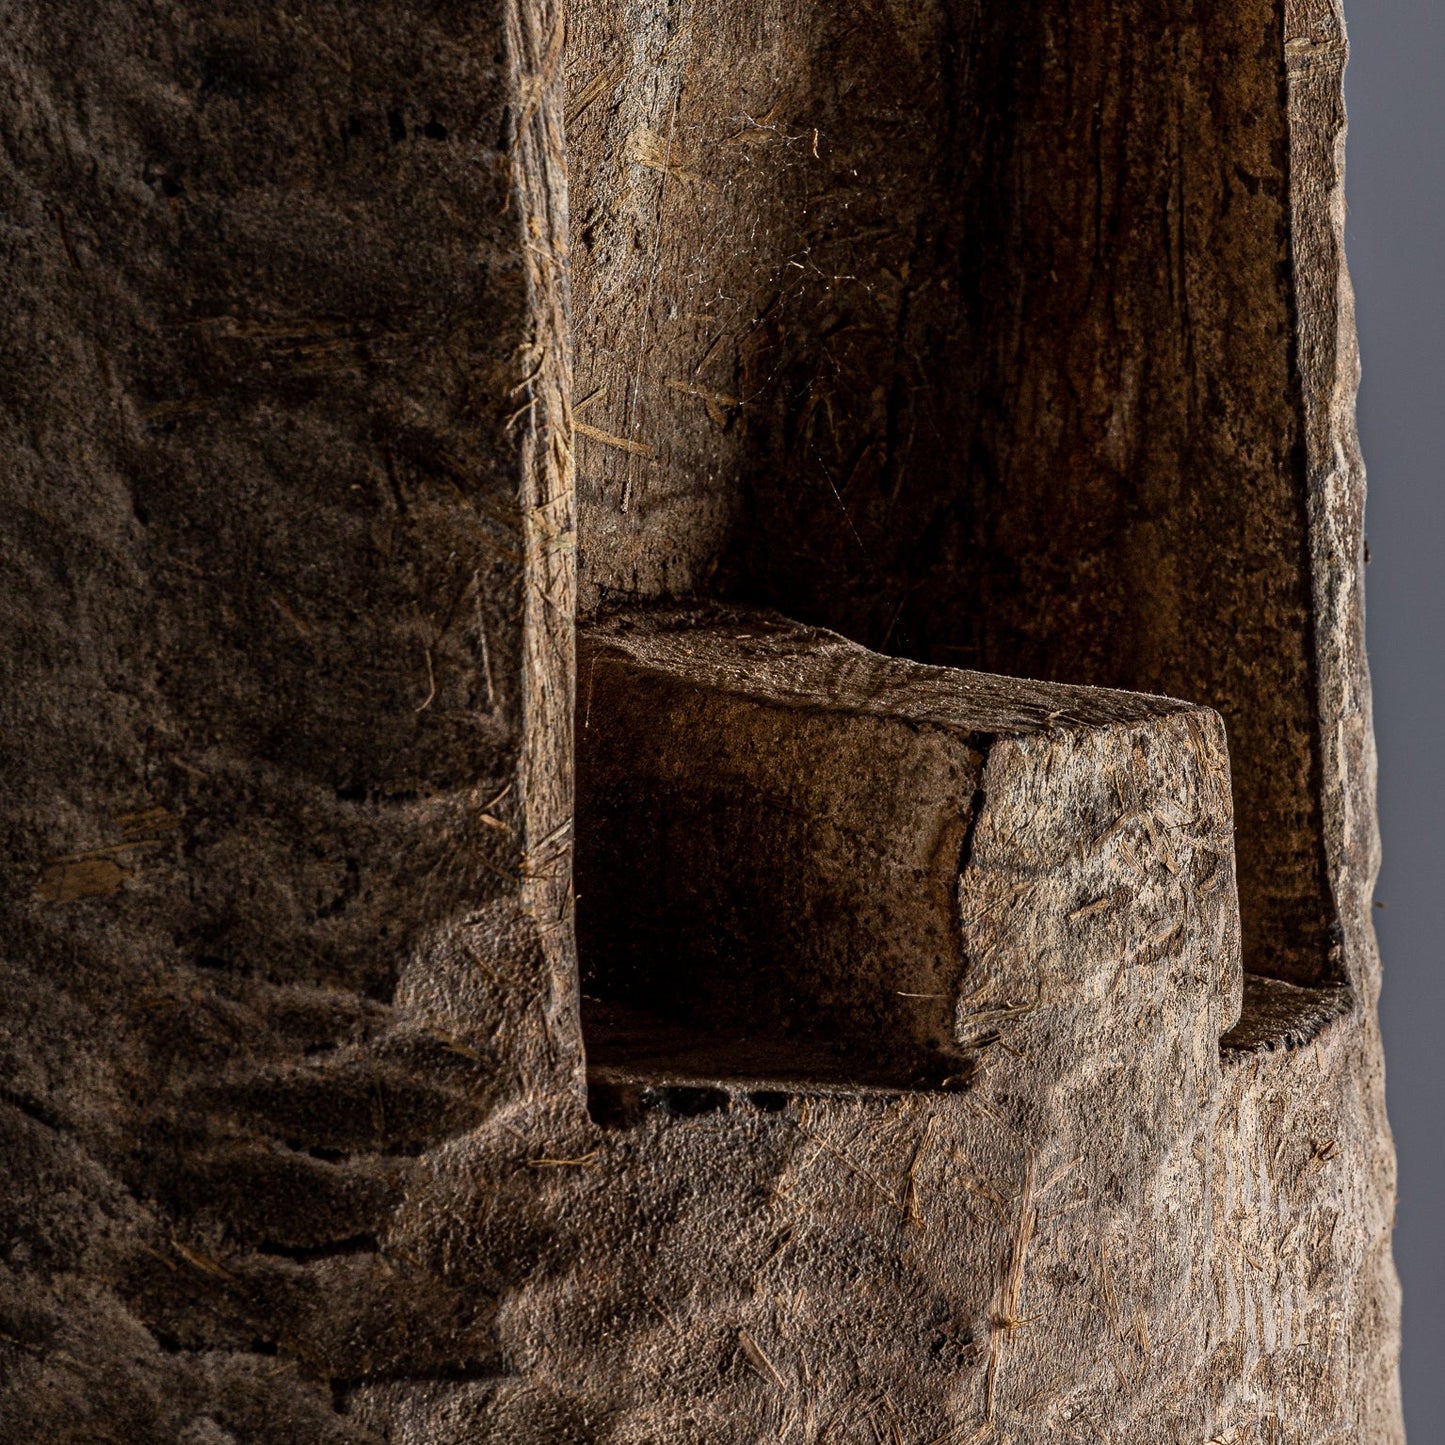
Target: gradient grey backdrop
{"x": 1395, "y": 183}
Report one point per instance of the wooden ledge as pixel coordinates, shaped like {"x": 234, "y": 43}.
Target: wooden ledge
{"x": 883, "y": 867}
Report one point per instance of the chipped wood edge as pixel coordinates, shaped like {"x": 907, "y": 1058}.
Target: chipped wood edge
{"x": 1316, "y": 52}
{"x": 535, "y": 34}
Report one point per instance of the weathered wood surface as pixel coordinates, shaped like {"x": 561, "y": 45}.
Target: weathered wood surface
{"x": 968, "y": 333}
{"x": 291, "y": 1079}
{"x": 1099, "y": 971}
{"x": 287, "y": 620}
{"x": 779, "y": 833}
{"x": 1098, "y": 427}
{"x": 1037, "y": 918}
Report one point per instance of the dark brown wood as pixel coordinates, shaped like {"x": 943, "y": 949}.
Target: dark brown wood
{"x": 285, "y": 486}
{"x": 1016, "y": 339}
{"x": 969, "y": 334}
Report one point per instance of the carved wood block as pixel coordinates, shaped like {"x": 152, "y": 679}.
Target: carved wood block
{"x": 1018, "y": 895}
{"x": 1017, "y": 337}
{"x": 785, "y": 833}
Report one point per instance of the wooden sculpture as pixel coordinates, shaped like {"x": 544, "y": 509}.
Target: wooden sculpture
{"x": 851, "y": 427}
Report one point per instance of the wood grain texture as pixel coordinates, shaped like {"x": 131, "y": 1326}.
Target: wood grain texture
{"x": 1027, "y": 342}
{"x": 969, "y": 335}
{"x": 785, "y": 834}
{"x": 287, "y": 695}
{"x": 1018, "y": 339}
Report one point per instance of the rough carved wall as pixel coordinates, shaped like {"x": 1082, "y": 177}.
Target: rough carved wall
{"x": 287, "y": 617}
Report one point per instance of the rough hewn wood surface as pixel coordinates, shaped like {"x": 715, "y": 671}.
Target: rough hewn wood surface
{"x": 968, "y": 333}
{"x": 1094, "y": 422}
{"x": 287, "y": 628}
{"x": 1041, "y": 912}
{"x": 1097, "y": 970}
{"x": 776, "y": 827}
{"x": 291, "y": 1078}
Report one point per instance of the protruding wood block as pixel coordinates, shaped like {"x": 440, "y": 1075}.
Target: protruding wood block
{"x": 1012, "y": 906}
{"x": 784, "y": 835}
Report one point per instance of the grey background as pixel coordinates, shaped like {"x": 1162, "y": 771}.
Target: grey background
{"x": 1395, "y": 183}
